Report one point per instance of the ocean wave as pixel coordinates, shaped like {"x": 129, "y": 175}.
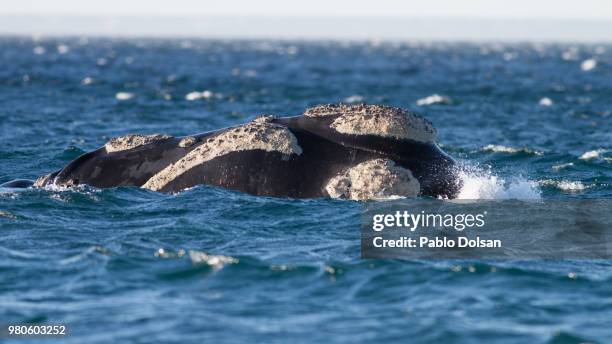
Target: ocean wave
{"x": 7, "y": 215}
{"x": 388, "y": 198}
{"x": 545, "y": 102}
{"x": 195, "y": 95}
{"x": 62, "y": 49}
{"x": 163, "y": 253}
{"x": 564, "y": 185}
{"x": 39, "y": 50}
{"x": 571, "y": 186}
{"x": 11, "y": 193}
{"x": 354, "y": 99}
{"x": 562, "y": 166}
{"x": 124, "y": 95}
{"x": 215, "y": 261}
{"x": 81, "y": 188}
{"x": 6, "y": 252}
{"x": 434, "y": 99}
{"x": 588, "y": 64}
{"x": 87, "y": 81}
{"x": 89, "y": 251}
{"x": 510, "y": 150}
{"x": 197, "y": 257}
{"x": 593, "y": 154}
{"x": 572, "y": 54}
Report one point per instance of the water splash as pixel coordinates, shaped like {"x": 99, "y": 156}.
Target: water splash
{"x": 479, "y": 183}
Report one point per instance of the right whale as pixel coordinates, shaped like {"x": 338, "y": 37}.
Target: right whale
{"x": 354, "y": 152}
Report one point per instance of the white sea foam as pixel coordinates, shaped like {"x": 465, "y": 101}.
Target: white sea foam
{"x": 58, "y": 188}
{"x": 572, "y": 54}
{"x": 191, "y": 96}
{"x": 7, "y": 215}
{"x": 124, "y": 95}
{"x": 565, "y": 185}
{"x": 82, "y": 188}
{"x": 562, "y": 166}
{"x": 588, "y": 65}
{"x": 292, "y": 50}
{"x": 63, "y": 48}
{"x": 195, "y": 95}
{"x": 509, "y": 55}
{"x": 500, "y": 149}
{"x": 592, "y": 154}
{"x": 483, "y": 184}
{"x": 387, "y": 198}
{"x": 163, "y": 253}
{"x": 39, "y": 50}
{"x": 545, "y": 101}
{"x": 87, "y": 81}
{"x": 216, "y": 261}
{"x": 509, "y": 150}
{"x": 207, "y": 94}
{"x": 434, "y": 99}
{"x": 101, "y": 61}
{"x": 353, "y": 99}
{"x": 571, "y": 186}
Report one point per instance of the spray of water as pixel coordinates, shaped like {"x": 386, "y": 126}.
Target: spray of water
{"x": 481, "y": 183}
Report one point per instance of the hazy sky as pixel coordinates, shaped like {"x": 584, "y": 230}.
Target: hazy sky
{"x": 541, "y": 20}
{"x": 522, "y": 9}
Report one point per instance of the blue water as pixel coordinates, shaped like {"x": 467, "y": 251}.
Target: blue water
{"x": 211, "y": 265}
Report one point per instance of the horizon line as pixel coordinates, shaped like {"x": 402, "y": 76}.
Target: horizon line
{"x": 312, "y": 28}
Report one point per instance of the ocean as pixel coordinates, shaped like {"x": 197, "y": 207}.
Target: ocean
{"x": 525, "y": 121}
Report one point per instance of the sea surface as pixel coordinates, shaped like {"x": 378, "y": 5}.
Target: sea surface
{"x": 526, "y": 121}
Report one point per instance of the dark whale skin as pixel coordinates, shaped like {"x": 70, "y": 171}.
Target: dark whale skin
{"x": 325, "y": 153}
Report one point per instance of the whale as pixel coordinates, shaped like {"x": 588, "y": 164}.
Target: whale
{"x": 17, "y": 184}
{"x": 356, "y": 152}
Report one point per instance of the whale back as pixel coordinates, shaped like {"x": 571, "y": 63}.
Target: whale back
{"x": 128, "y": 160}
{"x": 387, "y": 132}
{"x": 330, "y": 150}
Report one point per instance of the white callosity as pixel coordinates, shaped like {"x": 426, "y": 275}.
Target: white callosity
{"x": 377, "y": 120}
{"x": 187, "y": 141}
{"x": 126, "y": 142}
{"x": 259, "y": 134}
{"x": 373, "y": 179}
